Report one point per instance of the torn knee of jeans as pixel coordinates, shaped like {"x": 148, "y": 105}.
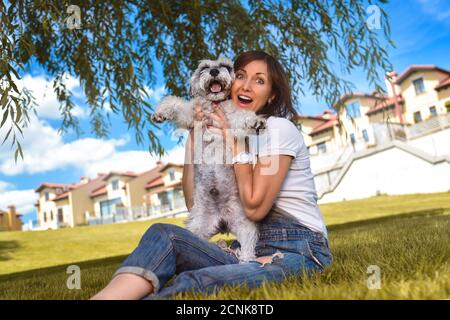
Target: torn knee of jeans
{"x": 270, "y": 259}
{"x": 223, "y": 245}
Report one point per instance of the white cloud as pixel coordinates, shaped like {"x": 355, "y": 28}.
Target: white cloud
{"x": 136, "y": 161}
{"x": 23, "y": 200}
{"x": 44, "y": 151}
{"x": 5, "y": 186}
{"x": 47, "y": 105}
{"x": 156, "y": 94}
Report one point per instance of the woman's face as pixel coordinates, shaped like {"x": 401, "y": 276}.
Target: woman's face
{"x": 252, "y": 88}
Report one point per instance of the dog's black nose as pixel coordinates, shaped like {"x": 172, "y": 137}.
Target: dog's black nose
{"x": 214, "y": 72}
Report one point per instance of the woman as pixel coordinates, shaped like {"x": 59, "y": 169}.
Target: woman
{"x": 283, "y": 202}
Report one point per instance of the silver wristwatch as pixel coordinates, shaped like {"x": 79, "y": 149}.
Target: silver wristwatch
{"x": 243, "y": 158}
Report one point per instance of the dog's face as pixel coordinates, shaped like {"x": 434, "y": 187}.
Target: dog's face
{"x": 213, "y": 79}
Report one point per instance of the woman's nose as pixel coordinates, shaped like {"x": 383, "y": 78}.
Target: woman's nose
{"x": 246, "y": 85}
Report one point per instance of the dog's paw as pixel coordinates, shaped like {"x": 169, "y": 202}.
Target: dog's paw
{"x": 157, "y": 118}
{"x": 161, "y": 117}
{"x": 257, "y": 123}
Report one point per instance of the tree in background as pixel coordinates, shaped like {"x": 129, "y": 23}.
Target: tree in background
{"x": 112, "y": 46}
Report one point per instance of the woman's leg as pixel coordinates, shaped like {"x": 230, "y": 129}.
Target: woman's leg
{"x": 164, "y": 250}
{"x": 252, "y": 274}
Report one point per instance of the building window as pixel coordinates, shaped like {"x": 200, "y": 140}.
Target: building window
{"x": 115, "y": 184}
{"x": 433, "y": 111}
{"x": 47, "y": 196}
{"x": 60, "y": 215}
{"x": 108, "y": 207}
{"x": 172, "y": 175}
{"x": 353, "y": 110}
{"x": 322, "y": 147}
{"x": 365, "y": 135}
{"x": 45, "y": 216}
{"x": 419, "y": 86}
{"x": 417, "y": 117}
{"x": 51, "y": 215}
{"x": 352, "y": 138}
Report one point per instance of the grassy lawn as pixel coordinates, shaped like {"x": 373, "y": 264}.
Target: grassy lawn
{"x": 406, "y": 236}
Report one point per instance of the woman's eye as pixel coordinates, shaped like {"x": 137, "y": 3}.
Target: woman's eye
{"x": 239, "y": 76}
{"x": 260, "y": 81}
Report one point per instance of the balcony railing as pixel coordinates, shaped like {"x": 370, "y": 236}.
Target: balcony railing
{"x": 137, "y": 213}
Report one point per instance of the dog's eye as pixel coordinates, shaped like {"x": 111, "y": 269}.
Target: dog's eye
{"x": 203, "y": 69}
{"x": 226, "y": 66}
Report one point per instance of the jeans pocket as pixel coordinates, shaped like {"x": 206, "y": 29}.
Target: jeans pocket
{"x": 299, "y": 246}
{"x": 320, "y": 252}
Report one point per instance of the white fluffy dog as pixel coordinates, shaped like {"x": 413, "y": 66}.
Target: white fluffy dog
{"x": 217, "y": 206}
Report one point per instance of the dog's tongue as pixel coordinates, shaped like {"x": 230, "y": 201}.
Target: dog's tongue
{"x": 216, "y": 88}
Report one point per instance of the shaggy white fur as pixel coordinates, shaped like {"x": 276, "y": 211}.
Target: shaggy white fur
{"x": 217, "y": 206}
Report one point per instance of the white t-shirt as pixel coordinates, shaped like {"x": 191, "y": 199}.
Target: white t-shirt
{"x": 298, "y": 196}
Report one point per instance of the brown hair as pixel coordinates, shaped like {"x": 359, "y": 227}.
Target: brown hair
{"x": 281, "y": 105}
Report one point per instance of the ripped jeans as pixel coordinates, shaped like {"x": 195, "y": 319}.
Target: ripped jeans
{"x": 166, "y": 250}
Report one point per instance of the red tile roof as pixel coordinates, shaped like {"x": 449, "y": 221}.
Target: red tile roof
{"x": 386, "y": 104}
{"x": 350, "y": 95}
{"x": 123, "y": 174}
{"x": 56, "y": 185}
{"x": 418, "y": 67}
{"x": 62, "y": 196}
{"x": 325, "y": 126}
{"x": 99, "y": 191}
{"x": 443, "y": 84}
{"x": 154, "y": 183}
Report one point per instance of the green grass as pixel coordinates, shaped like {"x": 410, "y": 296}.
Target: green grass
{"x": 406, "y": 236}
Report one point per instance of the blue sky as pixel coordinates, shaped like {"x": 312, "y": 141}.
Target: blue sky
{"x": 419, "y": 28}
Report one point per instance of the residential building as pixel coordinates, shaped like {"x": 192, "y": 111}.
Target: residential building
{"x": 164, "y": 193}
{"x": 10, "y": 220}
{"x": 112, "y": 197}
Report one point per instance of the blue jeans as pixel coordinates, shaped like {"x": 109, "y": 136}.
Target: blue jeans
{"x": 200, "y": 266}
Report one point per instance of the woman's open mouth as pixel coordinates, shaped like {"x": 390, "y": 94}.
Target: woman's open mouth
{"x": 215, "y": 87}
{"x": 244, "y": 101}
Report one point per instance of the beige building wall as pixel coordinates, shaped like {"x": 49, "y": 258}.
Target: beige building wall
{"x": 81, "y": 201}
{"x": 307, "y": 125}
{"x": 135, "y": 188}
{"x": 423, "y": 101}
{"x": 383, "y": 116}
{"x": 328, "y": 137}
{"x": 120, "y": 192}
{"x": 356, "y": 125}
{"x": 178, "y": 174}
{"x": 444, "y": 100}
{"x": 64, "y": 204}
{"x": 96, "y": 201}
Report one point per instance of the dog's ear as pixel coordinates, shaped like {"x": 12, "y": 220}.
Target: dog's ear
{"x": 227, "y": 63}
{"x": 192, "y": 83}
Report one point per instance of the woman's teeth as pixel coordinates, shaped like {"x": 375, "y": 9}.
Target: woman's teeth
{"x": 245, "y": 99}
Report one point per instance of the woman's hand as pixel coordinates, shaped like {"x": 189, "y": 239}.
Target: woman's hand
{"x": 219, "y": 125}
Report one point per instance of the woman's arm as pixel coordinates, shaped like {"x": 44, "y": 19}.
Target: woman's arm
{"x": 188, "y": 168}
{"x": 259, "y": 186}
{"x": 188, "y": 173}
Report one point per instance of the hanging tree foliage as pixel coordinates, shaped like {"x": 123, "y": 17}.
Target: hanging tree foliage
{"x": 111, "y": 46}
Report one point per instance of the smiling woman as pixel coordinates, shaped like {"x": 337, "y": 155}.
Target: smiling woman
{"x": 282, "y": 201}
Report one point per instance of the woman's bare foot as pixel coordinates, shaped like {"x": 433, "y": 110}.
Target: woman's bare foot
{"x": 125, "y": 286}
